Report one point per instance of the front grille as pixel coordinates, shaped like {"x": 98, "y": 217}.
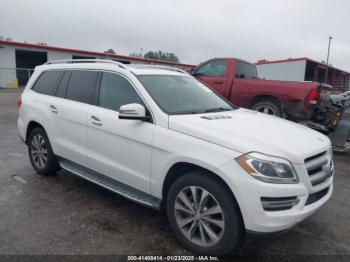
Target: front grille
{"x": 316, "y": 196}
{"x": 315, "y": 156}
{"x": 319, "y": 167}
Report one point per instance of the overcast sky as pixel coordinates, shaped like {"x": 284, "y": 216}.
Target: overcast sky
{"x": 195, "y": 30}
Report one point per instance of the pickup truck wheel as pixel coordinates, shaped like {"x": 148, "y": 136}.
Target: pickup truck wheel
{"x": 40, "y": 153}
{"x": 268, "y": 107}
{"x": 203, "y": 215}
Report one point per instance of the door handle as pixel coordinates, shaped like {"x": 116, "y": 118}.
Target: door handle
{"x": 96, "y": 121}
{"x": 218, "y": 82}
{"x": 53, "y": 109}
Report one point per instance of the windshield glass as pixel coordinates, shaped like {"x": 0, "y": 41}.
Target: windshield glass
{"x": 176, "y": 94}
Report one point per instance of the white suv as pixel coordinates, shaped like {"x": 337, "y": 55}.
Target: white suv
{"x": 159, "y": 137}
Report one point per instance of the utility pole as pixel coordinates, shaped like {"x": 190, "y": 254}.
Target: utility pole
{"x": 329, "y": 48}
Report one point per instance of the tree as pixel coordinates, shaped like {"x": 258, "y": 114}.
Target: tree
{"x": 109, "y": 51}
{"x": 136, "y": 54}
{"x": 160, "y": 55}
{"x": 5, "y": 38}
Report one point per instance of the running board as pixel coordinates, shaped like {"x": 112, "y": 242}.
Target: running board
{"x": 110, "y": 184}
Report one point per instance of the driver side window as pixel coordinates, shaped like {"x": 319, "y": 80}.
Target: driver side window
{"x": 116, "y": 91}
{"x": 213, "y": 68}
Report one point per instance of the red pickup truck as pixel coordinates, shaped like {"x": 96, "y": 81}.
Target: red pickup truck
{"x": 238, "y": 82}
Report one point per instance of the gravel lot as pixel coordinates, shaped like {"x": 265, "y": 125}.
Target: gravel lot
{"x": 67, "y": 215}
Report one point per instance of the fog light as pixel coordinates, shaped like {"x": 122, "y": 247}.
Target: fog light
{"x": 279, "y": 203}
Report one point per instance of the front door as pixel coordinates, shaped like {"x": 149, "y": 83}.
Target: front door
{"x": 119, "y": 148}
{"x": 212, "y": 73}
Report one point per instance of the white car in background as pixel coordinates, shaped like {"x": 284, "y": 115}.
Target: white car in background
{"x": 342, "y": 99}
{"x": 159, "y": 137}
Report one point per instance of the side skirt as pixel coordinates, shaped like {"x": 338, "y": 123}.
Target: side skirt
{"x": 110, "y": 184}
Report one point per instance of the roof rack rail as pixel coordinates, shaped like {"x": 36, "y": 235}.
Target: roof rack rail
{"x": 159, "y": 67}
{"x": 72, "y": 61}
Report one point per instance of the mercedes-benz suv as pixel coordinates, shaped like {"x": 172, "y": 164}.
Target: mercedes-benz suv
{"x": 158, "y": 136}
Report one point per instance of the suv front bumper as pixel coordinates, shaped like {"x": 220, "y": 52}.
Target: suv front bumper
{"x": 249, "y": 191}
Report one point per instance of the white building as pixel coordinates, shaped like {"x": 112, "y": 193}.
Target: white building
{"x": 17, "y": 60}
{"x": 303, "y": 69}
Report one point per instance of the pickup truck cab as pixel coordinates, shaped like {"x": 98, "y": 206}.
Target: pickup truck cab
{"x": 161, "y": 138}
{"x": 238, "y": 81}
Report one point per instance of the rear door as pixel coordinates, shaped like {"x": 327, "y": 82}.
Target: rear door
{"x": 70, "y": 111}
{"x": 214, "y": 74}
{"x": 119, "y": 148}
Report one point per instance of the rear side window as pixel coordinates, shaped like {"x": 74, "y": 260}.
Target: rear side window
{"x": 62, "y": 87}
{"x": 81, "y": 86}
{"x": 246, "y": 71}
{"x": 47, "y": 83}
{"x": 116, "y": 91}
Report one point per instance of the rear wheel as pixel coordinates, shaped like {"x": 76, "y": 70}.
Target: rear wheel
{"x": 40, "y": 153}
{"x": 203, "y": 215}
{"x": 268, "y": 107}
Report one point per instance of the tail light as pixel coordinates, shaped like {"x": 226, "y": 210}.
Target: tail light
{"x": 19, "y": 101}
{"x": 313, "y": 96}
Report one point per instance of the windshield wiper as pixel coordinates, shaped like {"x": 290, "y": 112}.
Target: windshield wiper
{"x": 217, "y": 109}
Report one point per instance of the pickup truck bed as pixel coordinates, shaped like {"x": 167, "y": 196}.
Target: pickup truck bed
{"x": 238, "y": 82}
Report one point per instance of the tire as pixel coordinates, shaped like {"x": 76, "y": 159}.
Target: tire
{"x": 39, "y": 149}
{"x": 228, "y": 236}
{"x": 269, "y": 107}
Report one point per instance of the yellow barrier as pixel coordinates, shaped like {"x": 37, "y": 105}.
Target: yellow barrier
{"x": 12, "y": 84}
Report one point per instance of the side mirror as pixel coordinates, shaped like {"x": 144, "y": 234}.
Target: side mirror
{"x": 132, "y": 112}
{"x": 196, "y": 74}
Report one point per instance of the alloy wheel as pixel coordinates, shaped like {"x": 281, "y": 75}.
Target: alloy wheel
{"x": 266, "y": 110}
{"x": 39, "y": 151}
{"x": 199, "y": 216}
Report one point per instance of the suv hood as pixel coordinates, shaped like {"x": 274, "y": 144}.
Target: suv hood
{"x": 245, "y": 131}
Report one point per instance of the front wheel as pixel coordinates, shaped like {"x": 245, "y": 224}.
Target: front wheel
{"x": 203, "y": 214}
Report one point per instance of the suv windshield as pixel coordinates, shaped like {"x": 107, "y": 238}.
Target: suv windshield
{"x": 176, "y": 94}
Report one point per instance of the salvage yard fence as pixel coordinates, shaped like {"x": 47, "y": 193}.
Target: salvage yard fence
{"x": 14, "y": 77}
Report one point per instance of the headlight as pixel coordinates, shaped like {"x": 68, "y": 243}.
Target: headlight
{"x": 330, "y": 152}
{"x": 268, "y": 169}
{"x": 331, "y": 164}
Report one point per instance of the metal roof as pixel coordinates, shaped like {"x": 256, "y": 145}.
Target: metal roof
{"x": 85, "y": 52}
{"x": 263, "y": 62}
